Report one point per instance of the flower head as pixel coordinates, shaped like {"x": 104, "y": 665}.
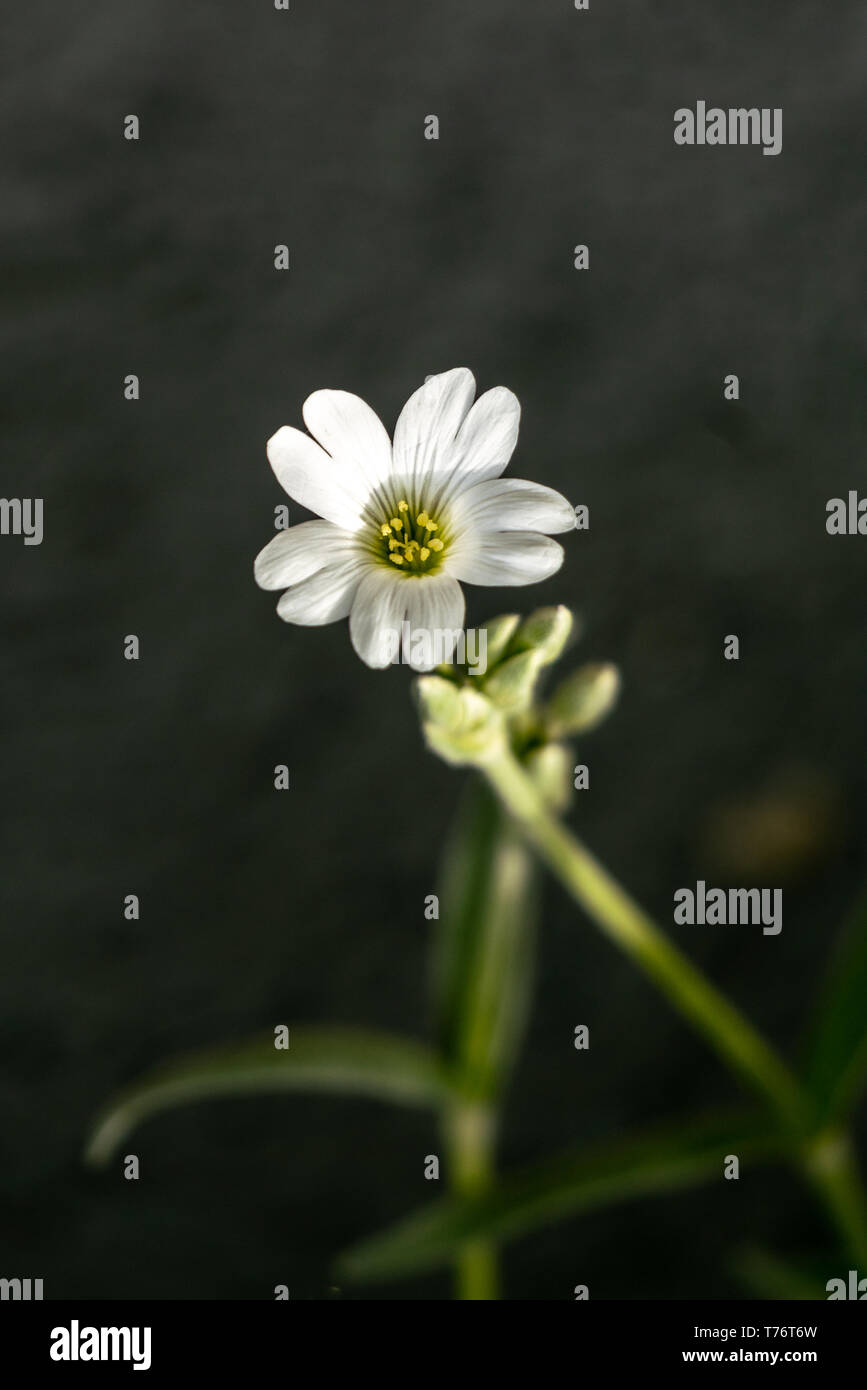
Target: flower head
{"x": 405, "y": 523}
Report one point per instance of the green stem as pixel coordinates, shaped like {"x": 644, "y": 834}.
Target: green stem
{"x": 624, "y": 922}
{"x": 483, "y": 979}
{"x": 470, "y": 1135}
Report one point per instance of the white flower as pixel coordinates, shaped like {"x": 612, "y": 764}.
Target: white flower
{"x": 404, "y": 524}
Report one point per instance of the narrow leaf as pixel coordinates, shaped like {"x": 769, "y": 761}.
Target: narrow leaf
{"x": 656, "y": 1162}
{"x": 837, "y": 1052}
{"x": 768, "y": 1275}
{"x": 351, "y": 1061}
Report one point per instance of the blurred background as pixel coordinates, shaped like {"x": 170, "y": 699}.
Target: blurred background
{"x": 707, "y": 518}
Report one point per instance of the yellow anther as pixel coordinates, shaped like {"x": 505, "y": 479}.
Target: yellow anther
{"x": 408, "y": 537}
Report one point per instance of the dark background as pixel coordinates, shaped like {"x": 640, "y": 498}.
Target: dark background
{"x": 707, "y": 518}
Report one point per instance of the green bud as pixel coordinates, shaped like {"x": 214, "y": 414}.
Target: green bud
{"x": 546, "y": 632}
{"x": 499, "y": 633}
{"x": 512, "y": 684}
{"x": 439, "y": 700}
{"x": 459, "y": 723}
{"x": 582, "y": 700}
{"x": 550, "y": 767}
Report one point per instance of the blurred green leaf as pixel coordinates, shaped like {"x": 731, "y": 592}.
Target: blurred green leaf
{"x": 662, "y": 1161}
{"x": 837, "y": 1049}
{"x": 352, "y": 1061}
{"x": 767, "y": 1275}
{"x": 484, "y": 949}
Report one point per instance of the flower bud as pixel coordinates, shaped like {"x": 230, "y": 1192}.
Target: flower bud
{"x": 546, "y": 632}
{"x": 582, "y": 700}
{"x": 461, "y": 725}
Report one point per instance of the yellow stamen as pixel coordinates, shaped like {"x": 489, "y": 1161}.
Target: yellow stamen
{"x": 405, "y": 538}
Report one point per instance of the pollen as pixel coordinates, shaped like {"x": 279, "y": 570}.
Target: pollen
{"x": 407, "y": 539}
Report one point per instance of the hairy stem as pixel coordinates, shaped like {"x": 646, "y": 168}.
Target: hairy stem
{"x": 629, "y": 927}
{"x": 470, "y": 1130}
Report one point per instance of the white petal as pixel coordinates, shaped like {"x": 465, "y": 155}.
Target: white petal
{"x": 314, "y": 479}
{"x": 377, "y": 614}
{"x": 435, "y": 608}
{"x": 324, "y": 597}
{"x": 295, "y": 554}
{"x": 425, "y": 433}
{"x": 352, "y": 433}
{"x": 504, "y": 558}
{"x": 511, "y": 504}
{"x": 487, "y": 437}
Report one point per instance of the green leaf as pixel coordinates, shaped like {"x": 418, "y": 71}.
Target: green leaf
{"x": 484, "y": 960}
{"x": 347, "y": 1060}
{"x": 652, "y": 1163}
{"x": 837, "y": 1050}
{"x": 768, "y": 1275}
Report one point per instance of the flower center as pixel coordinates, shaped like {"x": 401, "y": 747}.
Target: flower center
{"x": 410, "y": 542}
